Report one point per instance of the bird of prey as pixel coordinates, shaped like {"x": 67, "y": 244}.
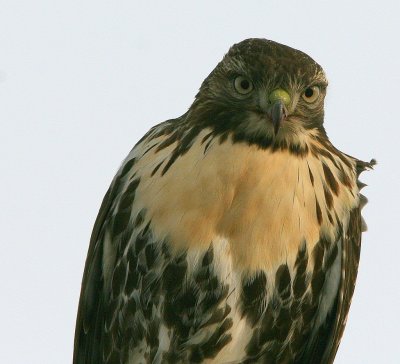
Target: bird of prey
{"x": 232, "y": 233}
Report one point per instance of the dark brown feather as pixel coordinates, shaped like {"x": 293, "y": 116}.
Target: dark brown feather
{"x": 91, "y": 311}
{"x": 90, "y": 316}
{"x": 325, "y": 345}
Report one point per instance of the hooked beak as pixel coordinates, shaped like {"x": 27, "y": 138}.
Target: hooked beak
{"x": 278, "y": 114}
{"x": 279, "y": 100}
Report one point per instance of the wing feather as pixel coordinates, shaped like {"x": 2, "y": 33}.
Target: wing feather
{"x": 91, "y": 311}
{"x": 95, "y": 303}
{"x": 89, "y": 332}
{"x": 325, "y": 344}
{"x": 350, "y": 262}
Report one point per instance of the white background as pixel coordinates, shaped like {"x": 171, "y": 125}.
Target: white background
{"x": 81, "y": 81}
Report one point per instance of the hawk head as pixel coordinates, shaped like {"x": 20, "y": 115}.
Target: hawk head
{"x": 263, "y": 93}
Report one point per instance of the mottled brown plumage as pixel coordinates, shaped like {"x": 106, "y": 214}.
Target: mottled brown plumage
{"x": 232, "y": 233}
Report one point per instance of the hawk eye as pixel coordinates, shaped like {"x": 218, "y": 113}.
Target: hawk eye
{"x": 311, "y": 94}
{"x": 243, "y": 85}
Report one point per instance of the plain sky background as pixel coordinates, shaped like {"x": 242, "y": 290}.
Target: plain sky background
{"x": 82, "y": 81}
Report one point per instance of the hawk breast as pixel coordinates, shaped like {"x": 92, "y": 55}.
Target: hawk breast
{"x": 273, "y": 222}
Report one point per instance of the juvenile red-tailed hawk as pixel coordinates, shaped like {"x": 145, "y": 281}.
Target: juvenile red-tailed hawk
{"x": 232, "y": 233}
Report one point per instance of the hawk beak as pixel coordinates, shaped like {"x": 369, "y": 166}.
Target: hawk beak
{"x": 279, "y": 100}
{"x": 278, "y": 114}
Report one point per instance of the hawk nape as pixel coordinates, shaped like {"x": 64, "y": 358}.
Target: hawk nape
{"x": 232, "y": 233}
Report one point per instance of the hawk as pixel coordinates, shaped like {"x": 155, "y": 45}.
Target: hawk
{"x": 232, "y": 233}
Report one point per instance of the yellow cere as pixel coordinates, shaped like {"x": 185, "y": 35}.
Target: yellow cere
{"x": 279, "y": 94}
